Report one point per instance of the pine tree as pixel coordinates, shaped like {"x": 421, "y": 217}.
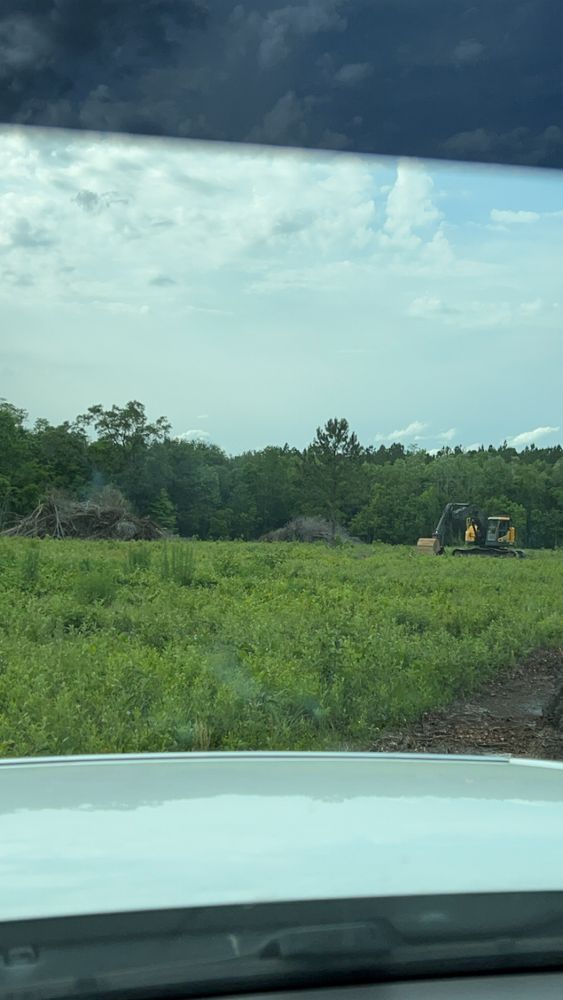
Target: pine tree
{"x": 163, "y": 511}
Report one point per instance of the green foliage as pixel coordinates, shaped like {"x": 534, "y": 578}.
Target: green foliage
{"x": 163, "y": 511}
{"x": 178, "y": 563}
{"x": 30, "y": 566}
{"x": 97, "y": 584}
{"x": 333, "y": 472}
{"x": 124, "y": 647}
{"x": 387, "y": 494}
{"x": 124, "y": 428}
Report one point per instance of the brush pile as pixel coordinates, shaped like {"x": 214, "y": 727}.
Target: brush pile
{"x": 109, "y": 517}
{"x": 309, "y": 529}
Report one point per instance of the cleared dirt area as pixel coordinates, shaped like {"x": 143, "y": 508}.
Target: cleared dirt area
{"x": 520, "y": 713}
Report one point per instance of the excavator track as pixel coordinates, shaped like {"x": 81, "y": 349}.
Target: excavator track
{"x": 491, "y": 552}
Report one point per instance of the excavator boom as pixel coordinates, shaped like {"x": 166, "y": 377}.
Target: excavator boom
{"x": 434, "y": 546}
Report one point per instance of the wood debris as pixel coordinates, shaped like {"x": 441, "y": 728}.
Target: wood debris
{"x": 59, "y": 516}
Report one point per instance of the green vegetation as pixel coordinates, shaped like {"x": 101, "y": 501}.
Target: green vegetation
{"x": 202, "y": 645}
{"x": 388, "y": 494}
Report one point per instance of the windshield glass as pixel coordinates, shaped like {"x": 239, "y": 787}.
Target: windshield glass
{"x": 240, "y": 384}
{"x": 281, "y": 493}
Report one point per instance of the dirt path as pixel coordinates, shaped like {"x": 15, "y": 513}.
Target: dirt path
{"x": 519, "y": 713}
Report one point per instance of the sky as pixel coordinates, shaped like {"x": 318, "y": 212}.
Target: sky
{"x": 250, "y": 293}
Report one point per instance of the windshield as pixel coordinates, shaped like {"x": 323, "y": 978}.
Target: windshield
{"x": 281, "y": 469}
{"x": 240, "y": 384}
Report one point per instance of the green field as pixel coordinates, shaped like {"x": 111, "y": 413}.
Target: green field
{"x": 224, "y": 645}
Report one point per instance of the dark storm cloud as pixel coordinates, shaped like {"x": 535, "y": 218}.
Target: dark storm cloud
{"x": 439, "y": 78}
{"x": 23, "y": 45}
{"x": 286, "y": 122}
{"x": 279, "y": 28}
{"x": 519, "y": 145}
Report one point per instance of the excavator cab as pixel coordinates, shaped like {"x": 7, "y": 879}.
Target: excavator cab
{"x": 500, "y": 531}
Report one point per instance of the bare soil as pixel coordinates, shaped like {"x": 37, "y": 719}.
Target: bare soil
{"x": 520, "y": 713}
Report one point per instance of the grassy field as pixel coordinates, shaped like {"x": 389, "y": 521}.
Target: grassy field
{"x": 184, "y": 646}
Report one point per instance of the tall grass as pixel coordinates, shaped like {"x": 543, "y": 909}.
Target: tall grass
{"x": 178, "y": 563}
{"x": 139, "y": 556}
{"x": 29, "y": 566}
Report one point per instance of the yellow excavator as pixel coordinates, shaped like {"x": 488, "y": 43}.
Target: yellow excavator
{"x": 484, "y": 536}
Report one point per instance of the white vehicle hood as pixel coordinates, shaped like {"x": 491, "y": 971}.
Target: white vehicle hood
{"x": 110, "y": 834}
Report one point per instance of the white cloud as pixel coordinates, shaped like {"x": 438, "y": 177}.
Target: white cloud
{"x": 110, "y": 208}
{"x": 203, "y": 416}
{"x": 121, "y": 308}
{"x": 531, "y": 437}
{"x": 352, "y": 73}
{"x": 194, "y": 435}
{"x": 424, "y": 306}
{"x": 468, "y": 51}
{"x": 144, "y": 242}
{"x": 448, "y": 435}
{"x": 412, "y": 432}
{"x": 475, "y": 314}
{"x": 438, "y": 257}
{"x": 461, "y": 314}
{"x": 473, "y": 447}
{"x": 409, "y": 206}
{"x": 507, "y": 216}
{"x": 531, "y": 308}
{"x": 328, "y": 277}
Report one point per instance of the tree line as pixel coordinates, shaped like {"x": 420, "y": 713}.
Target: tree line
{"x": 386, "y": 493}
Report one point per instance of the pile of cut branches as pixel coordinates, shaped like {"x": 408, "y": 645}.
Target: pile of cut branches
{"x": 309, "y": 529}
{"x": 59, "y": 516}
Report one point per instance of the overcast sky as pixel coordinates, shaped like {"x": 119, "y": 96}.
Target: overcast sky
{"x": 250, "y": 294}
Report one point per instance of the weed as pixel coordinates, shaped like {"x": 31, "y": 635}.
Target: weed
{"x": 29, "y": 567}
{"x": 178, "y": 563}
{"x": 138, "y": 556}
